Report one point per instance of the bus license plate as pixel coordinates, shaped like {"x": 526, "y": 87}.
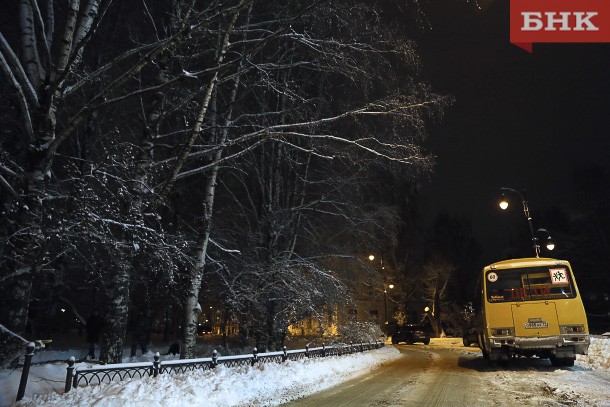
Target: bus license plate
{"x": 535, "y": 325}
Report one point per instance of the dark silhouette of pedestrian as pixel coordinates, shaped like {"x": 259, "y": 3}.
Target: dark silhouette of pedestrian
{"x": 140, "y": 333}
{"x": 95, "y": 323}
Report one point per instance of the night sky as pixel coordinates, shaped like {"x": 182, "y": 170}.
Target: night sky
{"x": 520, "y": 120}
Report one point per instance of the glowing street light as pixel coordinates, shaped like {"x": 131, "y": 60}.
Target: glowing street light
{"x": 550, "y": 244}
{"x": 503, "y": 202}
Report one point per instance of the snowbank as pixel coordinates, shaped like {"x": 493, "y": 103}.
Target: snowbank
{"x": 598, "y": 357}
{"x": 264, "y": 384}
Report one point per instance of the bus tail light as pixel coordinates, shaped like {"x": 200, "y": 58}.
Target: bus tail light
{"x": 572, "y": 329}
{"x": 502, "y": 332}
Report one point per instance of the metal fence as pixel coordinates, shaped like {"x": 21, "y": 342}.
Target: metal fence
{"x": 85, "y": 376}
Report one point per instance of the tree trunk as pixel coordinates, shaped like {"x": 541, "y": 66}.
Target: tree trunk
{"x": 13, "y": 317}
{"x": 24, "y": 251}
{"x": 270, "y": 327}
{"x": 225, "y": 326}
{"x": 115, "y": 316}
{"x": 192, "y": 309}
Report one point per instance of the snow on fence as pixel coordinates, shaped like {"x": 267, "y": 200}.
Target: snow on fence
{"x": 81, "y": 377}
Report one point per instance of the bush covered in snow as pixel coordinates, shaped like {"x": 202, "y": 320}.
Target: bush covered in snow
{"x": 357, "y": 332}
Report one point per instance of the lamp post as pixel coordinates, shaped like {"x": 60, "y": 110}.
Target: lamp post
{"x": 504, "y": 205}
{"x": 385, "y": 289}
{"x": 385, "y": 302}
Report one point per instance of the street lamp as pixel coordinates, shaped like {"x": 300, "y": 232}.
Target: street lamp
{"x": 503, "y": 202}
{"x": 385, "y": 287}
{"x": 385, "y": 302}
{"x": 372, "y": 257}
{"x": 504, "y": 206}
{"x": 550, "y": 243}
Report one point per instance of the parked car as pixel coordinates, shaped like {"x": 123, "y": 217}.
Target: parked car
{"x": 411, "y": 333}
{"x": 204, "y": 329}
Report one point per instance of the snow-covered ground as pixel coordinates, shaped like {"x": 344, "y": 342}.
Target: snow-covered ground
{"x": 585, "y": 384}
{"x": 534, "y": 382}
{"x": 264, "y": 384}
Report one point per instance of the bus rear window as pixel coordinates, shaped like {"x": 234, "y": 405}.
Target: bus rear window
{"x": 529, "y": 284}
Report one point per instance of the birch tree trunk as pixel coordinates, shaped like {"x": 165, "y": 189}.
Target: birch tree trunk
{"x": 117, "y": 312}
{"x": 192, "y": 309}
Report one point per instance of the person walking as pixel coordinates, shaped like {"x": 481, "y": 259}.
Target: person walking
{"x": 94, "y": 326}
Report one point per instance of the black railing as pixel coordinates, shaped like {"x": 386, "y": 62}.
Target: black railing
{"x": 80, "y": 377}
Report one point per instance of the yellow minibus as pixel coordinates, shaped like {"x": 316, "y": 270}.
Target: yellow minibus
{"x": 531, "y": 307}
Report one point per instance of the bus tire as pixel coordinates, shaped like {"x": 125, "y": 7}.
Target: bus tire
{"x": 555, "y": 361}
{"x": 483, "y": 349}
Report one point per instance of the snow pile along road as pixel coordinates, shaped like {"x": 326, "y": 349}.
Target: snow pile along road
{"x": 587, "y": 383}
{"x": 598, "y": 357}
{"x": 263, "y": 384}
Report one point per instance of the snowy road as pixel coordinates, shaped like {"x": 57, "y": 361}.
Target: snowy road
{"x": 439, "y": 376}
{"x": 420, "y": 378}
{"x": 443, "y": 373}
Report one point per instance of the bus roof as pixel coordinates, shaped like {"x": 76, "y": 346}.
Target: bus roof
{"x": 525, "y": 262}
